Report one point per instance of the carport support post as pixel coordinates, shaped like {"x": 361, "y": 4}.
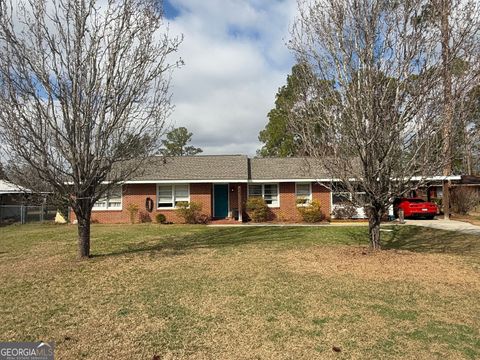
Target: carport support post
{"x": 240, "y": 210}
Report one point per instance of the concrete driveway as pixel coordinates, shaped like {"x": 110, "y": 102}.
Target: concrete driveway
{"x": 451, "y": 225}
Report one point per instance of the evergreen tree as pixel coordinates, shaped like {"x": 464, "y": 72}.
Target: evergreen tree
{"x": 299, "y": 98}
{"x": 176, "y": 143}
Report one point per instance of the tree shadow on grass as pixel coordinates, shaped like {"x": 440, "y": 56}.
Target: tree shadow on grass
{"x": 208, "y": 238}
{"x": 427, "y": 240}
{"x": 411, "y": 238}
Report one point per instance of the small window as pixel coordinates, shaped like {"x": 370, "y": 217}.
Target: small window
{"x": 165, "y": 196}
{"x": 100, "y": 204}
{"x": 255, "y": 190}
{"x": 269, "y": 192}
{"x": 115, "y": 200}
{"x": 112, "y": 201}
{"x": 181, "y": 194}
{"x": 303, "y": 193}
{"x": 168, "y": 196}
{"x": 360, "y": 198}
{"x": 341, "y": 198}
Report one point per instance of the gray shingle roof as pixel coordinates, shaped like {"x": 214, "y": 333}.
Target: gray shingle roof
{"x": 286, "y": 168}
{"x": 198, "y": 167}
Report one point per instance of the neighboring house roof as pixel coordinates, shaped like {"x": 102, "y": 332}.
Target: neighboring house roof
{"x": 7, "y": 187}
{"x": 290, "y": 168}
{"x": 470, "y": 180}
{"x": 198, "y": 168}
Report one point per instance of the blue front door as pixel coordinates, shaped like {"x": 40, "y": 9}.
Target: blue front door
{"x": 220, "y": 200}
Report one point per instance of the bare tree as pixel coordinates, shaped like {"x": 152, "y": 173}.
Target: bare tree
{"x": 383, "y": 128}
{"x": 84, "y": 93}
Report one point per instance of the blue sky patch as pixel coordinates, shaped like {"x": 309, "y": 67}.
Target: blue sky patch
{"x": 170, "y": 11}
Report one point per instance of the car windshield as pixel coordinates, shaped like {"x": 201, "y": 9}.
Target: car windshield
{"x": 416, "y": 200}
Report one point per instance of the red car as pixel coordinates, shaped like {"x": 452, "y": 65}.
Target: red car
{"x": 416, "y": 207}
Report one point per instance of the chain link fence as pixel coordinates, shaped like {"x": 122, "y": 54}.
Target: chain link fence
{"x": 24, "y": 214}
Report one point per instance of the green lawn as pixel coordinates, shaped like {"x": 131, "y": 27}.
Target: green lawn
{"x": 198, "y": 292}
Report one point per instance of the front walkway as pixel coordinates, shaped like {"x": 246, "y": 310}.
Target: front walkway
{"x": 252, "y": 224}
{"x": 451, "y": 225}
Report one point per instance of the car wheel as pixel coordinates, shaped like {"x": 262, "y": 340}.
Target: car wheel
{"x": 430, "y": 217}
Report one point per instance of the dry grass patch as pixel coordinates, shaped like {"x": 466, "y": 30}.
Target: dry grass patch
{"x": 472, "y": 218}
{"x": 191, "y": 292}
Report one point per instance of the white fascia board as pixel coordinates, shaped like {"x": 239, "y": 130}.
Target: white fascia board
{"x": 183, "y": 181}
{"x": 289, "y": 180}
{"x": 223, "y": 181}
{"x": 449, "y": 177}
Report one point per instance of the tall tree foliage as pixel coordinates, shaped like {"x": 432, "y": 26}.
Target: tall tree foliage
{"x": 297, "y": 99}
{"x": 278, "y": 141}
{"x": 84, "y": 94}
{"x": 455, "y": 26}
{"x": 383, "y": 126}
{"x": 471, "y": 133}
{"x": 176, "y": 143}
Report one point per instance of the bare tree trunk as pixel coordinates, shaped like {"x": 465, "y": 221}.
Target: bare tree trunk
{"x": 448, "y": 103}
{"x": 468, "y": 151}
{"x": 374, "y": 220}
{"x": 83, "y": 212}
{"x": 446, "y": 199}
{"x": 84, "y": 237}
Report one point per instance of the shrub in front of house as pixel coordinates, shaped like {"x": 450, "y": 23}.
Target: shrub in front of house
{"x": 464, "y": 200}
{"x": 132, "y": 211}
{"x": 191, "y": 213}
{"x": 257, "y": 209}
{"x": 160, "y": 219}
{"x": 344, "y": 211}
{"x": 312, "y": 212}
{"x": 144, "y": 217}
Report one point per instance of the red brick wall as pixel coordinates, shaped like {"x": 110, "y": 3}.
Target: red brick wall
{"x": 202, "y": 193}
{"x": 323, "y": 195}
{"x": 288, "y": 202}
{"x": 138, "y": 193}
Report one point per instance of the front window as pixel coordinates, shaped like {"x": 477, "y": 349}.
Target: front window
{"x": 303, "y": 193}
{"x": 269, "y": 192}
{"x": 341, "y": 198}
{"x": 111, "y": 201}
{"x": 168, "y": 196}
{"x": 255, "y": 190}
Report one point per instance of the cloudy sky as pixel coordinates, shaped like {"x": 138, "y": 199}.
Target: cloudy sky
{"x": 235, "y": 60}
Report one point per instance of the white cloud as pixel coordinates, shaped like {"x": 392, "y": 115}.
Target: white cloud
{"x": 235, "y": 60}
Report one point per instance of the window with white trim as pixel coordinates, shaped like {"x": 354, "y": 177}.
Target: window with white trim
{"x": 112, "y": 200}
{"x": 269, "y": 192}
{"x": 303, "y": 193}
{"x": 341, "y": 198}
{"x": 168, "y": 196}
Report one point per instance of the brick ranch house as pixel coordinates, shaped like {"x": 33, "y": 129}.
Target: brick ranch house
{"x": 218, "y": 182}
